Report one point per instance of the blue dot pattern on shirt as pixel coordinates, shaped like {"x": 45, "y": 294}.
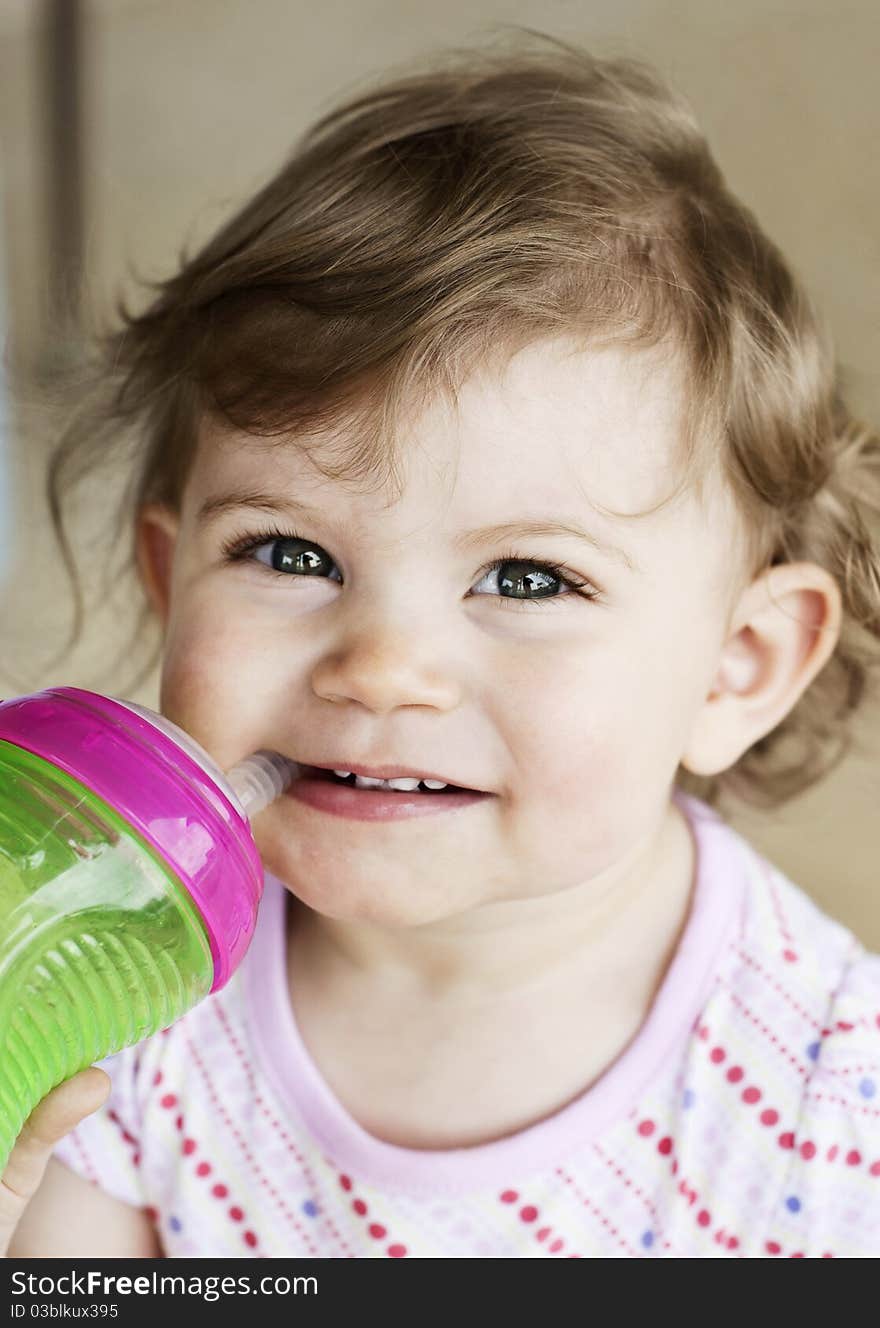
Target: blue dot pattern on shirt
{"x": 867, "y": 1088}
{"x": 793, "y": 1203}
{"x": 175, "y": 1223}
{"x": 689, "y": 1097}
{"x": 813, "y": 1050}
{"x": 310, "y": 1208}
{"x": 648, "y": 1239}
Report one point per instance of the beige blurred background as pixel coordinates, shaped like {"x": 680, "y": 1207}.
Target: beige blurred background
{"x": 188, "y": 105}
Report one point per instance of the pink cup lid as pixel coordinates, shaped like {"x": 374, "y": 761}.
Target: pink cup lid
{"x": 167, "y": 795}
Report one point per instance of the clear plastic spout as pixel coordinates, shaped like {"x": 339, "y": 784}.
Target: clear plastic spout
{"x": 254, "y": 782}
{"x": 260, "y": 779}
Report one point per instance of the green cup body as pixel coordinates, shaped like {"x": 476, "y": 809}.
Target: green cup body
{"x": 100, "y": 944}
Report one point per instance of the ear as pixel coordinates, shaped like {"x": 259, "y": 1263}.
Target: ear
{"x": 784, "y": 630}
{"x": 157, "y": 528}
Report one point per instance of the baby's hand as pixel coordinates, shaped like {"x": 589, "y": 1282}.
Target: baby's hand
{"x": 58, "y": 1113}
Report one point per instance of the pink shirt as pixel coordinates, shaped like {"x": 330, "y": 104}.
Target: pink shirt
{"x": 743, "y": 1120}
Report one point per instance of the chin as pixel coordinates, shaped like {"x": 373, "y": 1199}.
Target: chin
{"x": 359, "y": 902}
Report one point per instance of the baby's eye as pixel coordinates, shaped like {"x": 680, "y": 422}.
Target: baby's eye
{"x": 520, "y": 580}
{"x": 290, "y": 554}
{"x": 527, "y": 581}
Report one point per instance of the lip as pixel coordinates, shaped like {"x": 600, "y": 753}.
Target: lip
{"x": 376, "y": 804}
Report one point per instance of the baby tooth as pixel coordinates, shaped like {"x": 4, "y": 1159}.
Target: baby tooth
{"x": 434, "y": 783}
{"x": 405, "y": 782}
{"x": 343, "y": 774}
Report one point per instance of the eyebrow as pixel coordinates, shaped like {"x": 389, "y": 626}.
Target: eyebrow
{"x": 213, "y": 508}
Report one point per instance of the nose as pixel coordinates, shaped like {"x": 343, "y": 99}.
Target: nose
{"x": 383, "y": 669}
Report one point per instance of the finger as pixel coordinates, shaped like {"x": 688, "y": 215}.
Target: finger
{"x": 58, "y": 1113}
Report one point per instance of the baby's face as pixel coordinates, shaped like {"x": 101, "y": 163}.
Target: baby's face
{"x": 404, "y": 650}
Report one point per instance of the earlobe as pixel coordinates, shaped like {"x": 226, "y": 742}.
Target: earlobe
{"x": 157, "y": 528}
{"x": 785, "y": 629}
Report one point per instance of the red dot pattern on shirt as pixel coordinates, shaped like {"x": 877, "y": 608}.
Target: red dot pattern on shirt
{"x": 639, "y": 1193}
{"x": 751, "y": 1095}
{"x": 127, "y": 1136}
{"x": 529, "y": 1213}
{"x": 277, "y": 1126}
{"x": 666, "y": 1148}
{"x": 190, "y": 1146}
{"x": 808, "y": 1150}
{"x": 769, "y": 1116}
{"x": 394, "y": 1251}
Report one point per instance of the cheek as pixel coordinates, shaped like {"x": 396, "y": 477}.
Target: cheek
{"x": 595, "y": 759}
{"x": 566, "y": 728}
{"x": 213, "y": 683}
{"x": 608, "y": 727}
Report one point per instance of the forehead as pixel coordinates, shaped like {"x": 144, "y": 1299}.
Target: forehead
{"x": 594, "y": 433}
{"x": 605, "y": 422}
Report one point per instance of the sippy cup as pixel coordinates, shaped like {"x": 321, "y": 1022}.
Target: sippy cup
{"x": 129, "y": 882}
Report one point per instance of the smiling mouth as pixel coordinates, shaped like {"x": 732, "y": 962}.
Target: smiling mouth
{"x": 350, "y": 781}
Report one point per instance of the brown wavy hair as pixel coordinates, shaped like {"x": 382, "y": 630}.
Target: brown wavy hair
{"x": 489, "y": 199}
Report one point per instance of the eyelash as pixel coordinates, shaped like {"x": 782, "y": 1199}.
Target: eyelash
{"x": 238, "y": 546}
